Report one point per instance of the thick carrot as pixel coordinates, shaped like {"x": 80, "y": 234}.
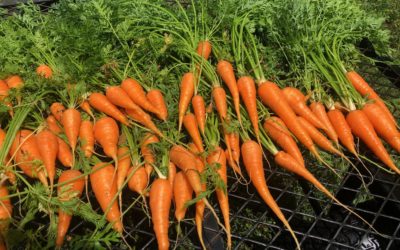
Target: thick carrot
{"x": 44, "y": 71}
{"x": 297, "y": 102}
{"x": 285, "y": 141}
{"x": 362, "y": 128}
{"x": 247, "y": 90}
{"x": 27, "y": 155}
{"x": 64, "y": 154}
{"x": 319, "y": 111}
{"x": 171, "y": 173}
{"x": 190, "y": 123}
{"x": 139, "y": 180}
{"x": 14, "y": 82}
{"x": 182, "y": 194}
{"x": 199, "y": 109}
{"x": 106, "y": 132}
{"x": 156, "y": 99}
{"x": 204, "y": 49}
{"x": 119, "y": 97}
{"x": 160, "y": 204}
{"x": 186, "y": 94}
{"x": 57, "y": 110}
{"x": 70, "y": 185}
{"x": 365, "y": 90}
{"x": 53, "y": 125}
{"x": 137, "y": 95}
{"x": 86, "y": 137}
{"x": 71, "y": 121}
{"x": 217, "y": 157}
{"x": 105, "y": 188}
{"x": 225, "y": 71}
{"x": 221, "y": 105}
{"x": 382, "y": 124}
{"x": 145, "y": 119}
{"x": 48, "y": 148}
{"x": 253, "y": 161}
{"x": 6, "y": 209}
{"x": 147, "y": 153}
{"x": 342, "y": 129}
{"x": 101, "y": 103}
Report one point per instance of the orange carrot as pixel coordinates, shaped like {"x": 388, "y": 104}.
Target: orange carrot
{"x": 106, "y": 132}
{"x": 319, "y": 111}
{"x": 124, "y": 162}
{"x": 119, "y": 97}
{"x": 147, "y": 153}
{"x": 139, "y": 180}
{"x": 137, "y": 95}
{"x": 145, "y": 119}
{"x": 101, "y": 103}
{"x": 44, "y": 71}
{"x": 15, "y": 82}
{"x": 53, "y": 125}
{"x": 247, "y": 91}
{"x": 204, "y": 49}
{"x": 6, "y": 209}
{"x": 182, "y": 194}
{"x": 232, "y": 163}
{"x": 70, "y": 185}
{"x": 85, "y": 106}
{"x": 48, "y": 148}
{"x": 171, "y": 173}
{"x": 362, "y": 128}
{"x": 190, "y": 123}
{"x": 105, "y": 189}
{"x": 4, "y": 89}
{"x": 342, "y": 129}
{"x": 71, "y": 121}
{"x": 234, "y": 144}
{"x": 186, "y": 94}
{"x": 86, "y": 136}
{"x": 225, "y": 71}
{"x": 156, "y": 98}
{"x": 297, "y": 102}
{"x": 221, "y": 105}
{"x": 160, "y": 204}
{"x": 57, "y": 110}
{"x": 64, "y": 154}
{"x": 199, "y": 109}
{"x": 253, "y": 161}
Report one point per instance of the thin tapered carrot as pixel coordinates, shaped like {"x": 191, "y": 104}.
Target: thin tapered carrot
{"x": 64, "y": 154}
{"x": 200, "y": 205}
{"x": 365, "y": 90}
{"x": 319, "y": 111}
{"x": 171, "y": 173}
{"x": 6, "y": 210}
{"x": 70, "y": 185}
{"x": 44, "y": 71}
{"x": 160, "y": 204}
{"x": 225, "y": 71}
{"x": 362, "y": 128}
{"x": 234, "y": 144}
{"x": 85, "y": 106}
{"x": 156, "y": 99}
{"x": 119, "y": 97}
{"x": 137, "y": 95}
{"x": 100, "y": 102}
{"x": 57, "y": 110}
{"x": 204, "y": 49}
{"x": 86, "y": 137}
{"x": 253, "y": 161}
{"x": 233, "y": 164}
{"x": 342, "y": 129}
{"x": 199, "y": 109}
{"x": 124, "y": 162}
{"x": 382, "y": 125}
{"x": 147, "y": 153}
{"x": 182, "y": 193}
{"x": 221, "y": 105}
{"x": 138, "y": 181}
{"x": 285, "y": 141}
{"x": 297, "y": 102}
{"x": 105, "y": 189}
{"x": 247, "y": 90}
{"x": 190, "y": 123}
{"x": 193, "y": 148}
{"x": 71, "y": 121}
{"x": 145, "y": 119}
{"x": 106, "y": 132}
{"x": 48, "y": 148}
{"x": 186, "y": 94}
{"x": 52, "y": 124}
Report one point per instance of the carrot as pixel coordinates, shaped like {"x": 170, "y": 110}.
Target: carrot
{"x": 319, "y": 111}
{"x": 217, "y": 157}
{"x": 105, "y": 188}
{"x": 271, "y": 95}
{"x": 364, "y": 89}
{"x": 119, "y": 97}
{"x": 362, "y": 128}
{"x": 14, "y": 82}
{"x": 190, "y": 123}
{"x": 247, "y": 91}
{"x": 285, "y": 141}
{"x": 137, "y": 95}
{"x": 53, "y": 125}
{"x": 160, "y": 204}
{"x": 64, "y": 154}
{"x": 6, "y": 209}
{"x": 297, "y": 102}
{"x": 101, "y": 103}
{"x": 342, "y": 129}
{"x": 382, "y": 124}
{"x": 225, "y": 71}
{"x": 138, "y": 181}
{"x": 70, "y": 185}
{"x": 182, "y": 194}
{"x": 124, "y": 162}
{"x": 48, "y": 148}
{"x": 193, "y": 149}
{"x": 234, "y": 144}
{"x": 156, "y": 99}
{"x": 147, "y": 153}
{"x": 106, "y": 132}
{"x": 145, "y": 119}
{"x": 186, "y": 94}
{"x": 4, "y": 89}
{"x": 199, "y": 109}
{"x": 171, "y": 173}
{"x": 233, "y": 164}
{"x": 71, "y": 121}
{"x": 253, "y": 161}
{"x": 86, "y": 137}
{"x": 204, "y": 49}
{"x": 44, "y": 71}
{"x": 219, "y": 97}
{"x": 200, "y": 205}
{"x": 57, "y": 110}
{"x": 85, "y": 106}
